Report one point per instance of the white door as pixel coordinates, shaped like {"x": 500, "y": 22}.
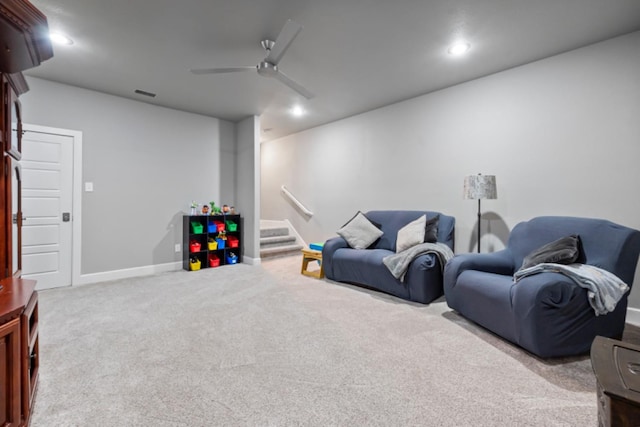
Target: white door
{"x": 47, "y": 201}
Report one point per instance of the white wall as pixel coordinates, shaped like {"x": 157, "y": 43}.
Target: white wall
{"x": 248, "y": 186}
{"x": 562, "y": 135}
{"x": 146, "y": 162}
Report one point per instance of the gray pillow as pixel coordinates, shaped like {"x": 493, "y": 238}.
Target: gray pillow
{"x": 431, "y": 230}
{"x": 359, "y": 232}
{"x": 411, "y": 234}
{"x": 562, "y": 251}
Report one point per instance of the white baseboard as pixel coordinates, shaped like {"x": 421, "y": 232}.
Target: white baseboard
{"x": 87, "y": 279}
{"x": 633, "y": 316}
{"x": 126, "y": 273}
{"x": 251, "y": 261}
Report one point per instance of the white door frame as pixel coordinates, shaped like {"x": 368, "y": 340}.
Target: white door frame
{"x": 76, "y": 211}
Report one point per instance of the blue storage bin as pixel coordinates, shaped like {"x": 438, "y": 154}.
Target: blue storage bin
{"x": 221, "y": 243}
{"x": 232, "y": 259}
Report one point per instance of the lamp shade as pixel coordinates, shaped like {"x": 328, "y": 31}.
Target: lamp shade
{"x": 480, "y": 187}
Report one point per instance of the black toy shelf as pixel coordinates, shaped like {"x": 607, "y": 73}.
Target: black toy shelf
{"x": 211, "y": 241}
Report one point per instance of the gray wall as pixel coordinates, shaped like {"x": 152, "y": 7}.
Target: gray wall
{"x": 147, "y": 163}
{"x": 562, "y": 135}
{"x": 248, "y": 185}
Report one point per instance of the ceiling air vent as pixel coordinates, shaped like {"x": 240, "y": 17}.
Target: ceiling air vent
{"x": 142, "y": 92}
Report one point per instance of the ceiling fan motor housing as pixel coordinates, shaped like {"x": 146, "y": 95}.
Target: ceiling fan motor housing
{"x": 267, "y": 69}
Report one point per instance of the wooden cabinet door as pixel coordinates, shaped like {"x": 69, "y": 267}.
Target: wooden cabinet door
{"x": 10, "y": 414}
{"x": 12, "y": 221}
{"x": 14, "y": 200}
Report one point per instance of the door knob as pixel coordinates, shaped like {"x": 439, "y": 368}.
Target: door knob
{"x": 14, "y": 218}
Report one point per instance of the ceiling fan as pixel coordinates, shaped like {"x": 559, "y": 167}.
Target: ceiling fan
{"x": 268, "y": 67}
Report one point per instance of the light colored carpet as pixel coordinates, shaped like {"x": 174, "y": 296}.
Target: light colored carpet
{"x": 266, "y": 346}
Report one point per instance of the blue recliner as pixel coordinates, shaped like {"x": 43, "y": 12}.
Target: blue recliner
{"x": 547, "y": 313}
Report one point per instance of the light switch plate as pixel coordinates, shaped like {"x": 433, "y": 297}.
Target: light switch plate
{"x": 88, "y": 186}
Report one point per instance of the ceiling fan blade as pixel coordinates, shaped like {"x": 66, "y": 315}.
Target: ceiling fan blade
{"x": 286, "y": 36}
{"x": 293, "y": 85}
{"x": 220, "y": 70}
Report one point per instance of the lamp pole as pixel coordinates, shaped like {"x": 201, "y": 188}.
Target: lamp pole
{"x": 479, "y": 217}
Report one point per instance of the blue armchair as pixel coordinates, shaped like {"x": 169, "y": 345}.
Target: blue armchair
{"x": 547, "y": 314}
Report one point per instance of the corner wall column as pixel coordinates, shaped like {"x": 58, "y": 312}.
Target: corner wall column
{"x": 248, "y": 185}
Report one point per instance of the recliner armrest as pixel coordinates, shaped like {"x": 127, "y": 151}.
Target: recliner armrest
{"x": 548, "y": 288}
{"x": 555, "y": 304}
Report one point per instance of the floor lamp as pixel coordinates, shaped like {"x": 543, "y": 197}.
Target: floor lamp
{"x": 480, "y": 187}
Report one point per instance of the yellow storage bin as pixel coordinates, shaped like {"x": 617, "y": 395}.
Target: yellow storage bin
{"x": 195, "y": 265}
{"x": 213, "y": 245}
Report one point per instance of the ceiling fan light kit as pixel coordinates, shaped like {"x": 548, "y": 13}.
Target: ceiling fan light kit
{"x": 268, "y": 67}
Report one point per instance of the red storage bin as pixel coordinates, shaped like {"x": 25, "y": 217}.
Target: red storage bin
{"x": 214, "y": 261}
{"x": 220, "y": 225}
{"x": 233, "y": 241}
{"x": 194, "y": 246}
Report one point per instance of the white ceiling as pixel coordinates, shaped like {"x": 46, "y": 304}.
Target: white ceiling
{"x": 355, "y": 55}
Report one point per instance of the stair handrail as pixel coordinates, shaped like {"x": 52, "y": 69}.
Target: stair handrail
{"x": 296, "y": 201}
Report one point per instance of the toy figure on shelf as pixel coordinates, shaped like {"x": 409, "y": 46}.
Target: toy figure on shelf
{"x": 222, "y": 235}
{"x": 194, "y": 208}
{"x": 225, "y": 209}
{"x": 215, "y": 210}
{"x": 233, "y": 210}
{"x": 205, "y": 209}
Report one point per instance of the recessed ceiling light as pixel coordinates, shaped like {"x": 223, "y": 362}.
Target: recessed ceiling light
{"x": 59, "y": 38}
{"x": 297, "y": 111}
{"x": 459, "y": 48}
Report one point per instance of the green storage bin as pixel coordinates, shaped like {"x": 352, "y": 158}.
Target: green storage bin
{"x": 197, "y": 227}
{"x": 232, "y": 226}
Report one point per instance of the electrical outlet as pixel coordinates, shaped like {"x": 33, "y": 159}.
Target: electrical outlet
{"x": 177, "y": 247}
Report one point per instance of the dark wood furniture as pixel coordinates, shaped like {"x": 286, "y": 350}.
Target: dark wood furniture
{"x": 24, "y": 37}
{"x": 24, "y": 43}
{"x": 19, "y": 357}
{"x": 617, "y": 368}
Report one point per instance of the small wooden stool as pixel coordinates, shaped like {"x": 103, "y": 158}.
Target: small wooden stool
{"x": 311, "y": 255}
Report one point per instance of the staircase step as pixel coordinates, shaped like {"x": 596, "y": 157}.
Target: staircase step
{"x": 266, "y": 242}
{"x": 280, "y": 251}
{"x": 274, "y": 231}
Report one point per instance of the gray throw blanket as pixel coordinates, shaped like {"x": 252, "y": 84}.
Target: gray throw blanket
{"x": 604, "y": 289}
{"x": 398, "y": 264}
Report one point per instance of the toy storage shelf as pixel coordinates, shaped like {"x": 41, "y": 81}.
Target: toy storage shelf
{"x": 198, "y": 235}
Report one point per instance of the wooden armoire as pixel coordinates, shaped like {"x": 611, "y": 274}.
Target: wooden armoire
{"x": 24, "y": 44}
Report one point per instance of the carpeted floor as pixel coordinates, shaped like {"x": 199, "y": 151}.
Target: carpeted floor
{"x": 266, "y": 346}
